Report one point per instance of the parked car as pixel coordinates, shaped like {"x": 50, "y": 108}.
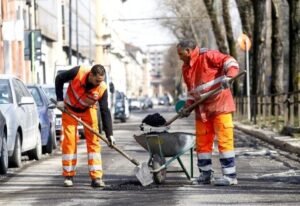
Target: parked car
{"x": 46, "y": 116}
{"x": 146, "y": 103}
{"x": 121, "y": 108}
{"x": 134, "y": 103}
{"x": 50, "y": 93}
{"x": 3, "y": 145}
{"x": 20, "y": 111}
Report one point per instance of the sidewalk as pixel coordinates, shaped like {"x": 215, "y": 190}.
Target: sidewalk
{"x": 286, "y": 143}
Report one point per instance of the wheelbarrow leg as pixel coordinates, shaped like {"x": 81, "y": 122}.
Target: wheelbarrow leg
{"x": 183, "y": 168}
{"x": 192, "y": 161}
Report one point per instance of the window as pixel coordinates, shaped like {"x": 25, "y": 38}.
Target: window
{"x": 5, "y": 92}
{"x": 36, "y": 96}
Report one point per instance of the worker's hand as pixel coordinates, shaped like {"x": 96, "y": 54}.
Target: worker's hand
{"x": 60, "y": 105}
{"x": 225, "y": 83}
{"x": 184, "y": 113}
{"x": 111, "y": 141}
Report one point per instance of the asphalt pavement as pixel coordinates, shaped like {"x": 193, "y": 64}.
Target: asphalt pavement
{"x": 266, "y": 177}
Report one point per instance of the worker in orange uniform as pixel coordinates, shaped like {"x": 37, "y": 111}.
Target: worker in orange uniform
{"x": 86, "y": 87}
{"x": 204, "y": 70}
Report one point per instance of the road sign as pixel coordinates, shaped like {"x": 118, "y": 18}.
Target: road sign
{"x": 244, "y": 42}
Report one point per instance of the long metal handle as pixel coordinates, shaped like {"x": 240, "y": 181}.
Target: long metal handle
{"x": 202, "y": 99}
{"x": 134, "y": 161}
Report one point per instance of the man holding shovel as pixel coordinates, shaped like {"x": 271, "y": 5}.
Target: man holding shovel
{"x": 86, "y": 87}
{"x": 204, "y": 70}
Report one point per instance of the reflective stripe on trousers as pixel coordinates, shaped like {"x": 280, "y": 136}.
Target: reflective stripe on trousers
{"x": 220, "y": 126}
{"x": 69, "y": 144}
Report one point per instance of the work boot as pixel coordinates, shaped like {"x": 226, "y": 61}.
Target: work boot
{"x": 226, "y": 181}
{"x": 68, "y": 182}
{"x": 98, "y": 182}
{"x": 205, "y": 177}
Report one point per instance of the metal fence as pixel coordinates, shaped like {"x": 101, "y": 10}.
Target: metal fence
{"x": 276, "y": 111}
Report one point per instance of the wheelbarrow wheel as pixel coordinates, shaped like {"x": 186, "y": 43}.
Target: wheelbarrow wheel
{"x": 158, "y": 161}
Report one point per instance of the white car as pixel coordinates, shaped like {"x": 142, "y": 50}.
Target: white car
{"x": 20, "y": 111}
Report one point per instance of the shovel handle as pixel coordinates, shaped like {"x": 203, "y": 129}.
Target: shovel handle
{"x": 134, "y": 161}
{"x": 202, "y": 98}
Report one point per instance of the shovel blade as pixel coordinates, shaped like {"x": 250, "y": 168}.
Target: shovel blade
{"x": 143, "y": 174}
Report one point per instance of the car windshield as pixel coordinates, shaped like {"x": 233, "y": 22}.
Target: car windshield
{"x": 50, "y": 92}
{"x": 36, "y": 95}
{"x": 5, "y": 92}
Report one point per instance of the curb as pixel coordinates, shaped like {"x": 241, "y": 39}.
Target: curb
{"x": 286, "y": 143}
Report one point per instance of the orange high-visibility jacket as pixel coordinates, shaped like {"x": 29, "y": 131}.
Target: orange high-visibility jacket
{"x": 77, "y": 96}
{"x": 205, "y": 72}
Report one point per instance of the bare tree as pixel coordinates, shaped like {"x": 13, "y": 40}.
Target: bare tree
{"x": 246, "y": 12}
{"x": 247, "y": 16}
{"x": 259, "y": 42}
{"x": 221, "y": 42}
{"x": 191, "y": 22}
{"x": 172, "y": 72}
{"x": 277, "y": 49}
{"x": 229, "y": 31}
{"x": 294, "y": 83}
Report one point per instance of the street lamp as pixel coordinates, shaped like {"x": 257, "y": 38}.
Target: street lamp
{"x": 245, "y": 44}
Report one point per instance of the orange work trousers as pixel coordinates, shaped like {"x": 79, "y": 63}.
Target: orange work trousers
{"x": 69, "y": 144}
{"x": 220, "y": 126}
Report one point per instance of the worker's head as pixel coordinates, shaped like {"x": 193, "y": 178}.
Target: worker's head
{"x": 184, "y": 50}
{"x": 97, "y": 75}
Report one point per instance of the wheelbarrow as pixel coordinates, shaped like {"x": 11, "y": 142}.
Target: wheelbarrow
{"x": 164, "y": 148}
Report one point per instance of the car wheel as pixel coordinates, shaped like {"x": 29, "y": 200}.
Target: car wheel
{"x": 48, "y": 148}
{"x": 15, "y": 160}
{"x": 53, "y": 136}
{"x": 4, "y": 156}
{"x": 36, "y": 153}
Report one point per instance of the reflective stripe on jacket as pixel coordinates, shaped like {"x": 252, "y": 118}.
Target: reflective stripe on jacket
{"x": 77, "y": 96}
{"x": 205, "y": 72}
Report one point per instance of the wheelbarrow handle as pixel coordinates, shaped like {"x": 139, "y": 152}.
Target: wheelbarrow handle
{"x": 202, "y": 98}
{"x": 134, "y": 161}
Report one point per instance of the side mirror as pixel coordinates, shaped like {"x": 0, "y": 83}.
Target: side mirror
{"x": 51, "y": 106}
{"x": 111, "y": 87}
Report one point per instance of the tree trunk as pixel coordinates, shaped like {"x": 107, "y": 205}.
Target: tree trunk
{"x": 247, "y": 16}
{"x": 228, "y": 26}
{"x": 294, "y": 45}
{"x": 216, "y": 27}
{"x": 230, "y": 38}
{"x": 277, "y": 49}
{"x": 259, "y": 57}
{"x": 245, "y": 8}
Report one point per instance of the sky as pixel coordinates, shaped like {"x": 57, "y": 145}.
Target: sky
{"x": 144, "y": 32}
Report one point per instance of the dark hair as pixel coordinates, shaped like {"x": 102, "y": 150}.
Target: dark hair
{"x": 187, "y": 44}
{"x": 98, "y": 69}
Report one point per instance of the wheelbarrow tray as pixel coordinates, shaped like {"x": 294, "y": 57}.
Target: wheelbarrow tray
{"x": 170, "y": 143}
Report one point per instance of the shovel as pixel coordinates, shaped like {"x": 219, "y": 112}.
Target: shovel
{"x": 142, "y": 171}
{"x": 202, "y": 98}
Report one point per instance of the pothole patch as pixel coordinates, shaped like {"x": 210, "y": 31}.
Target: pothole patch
{"x": 129, "y": 185}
